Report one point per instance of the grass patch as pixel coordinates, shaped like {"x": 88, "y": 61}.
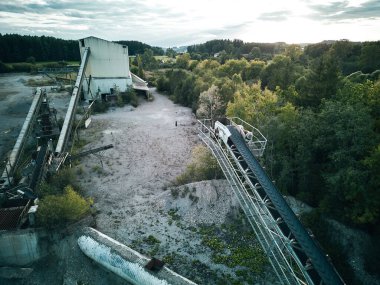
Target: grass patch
{"x": 203, "y": 166}
{"x": 236, "y": 246}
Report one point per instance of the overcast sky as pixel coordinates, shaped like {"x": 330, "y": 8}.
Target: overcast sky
{"x": 168, "y": 23}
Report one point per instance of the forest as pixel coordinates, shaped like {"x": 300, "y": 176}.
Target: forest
{"x": 17, "y": 48}
{"x": 318, "y": 106}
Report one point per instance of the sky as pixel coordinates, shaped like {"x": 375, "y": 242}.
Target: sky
{"x": 169, "y": 23}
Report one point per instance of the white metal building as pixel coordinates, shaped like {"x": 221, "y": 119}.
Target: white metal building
{"x": 107, "y": 68}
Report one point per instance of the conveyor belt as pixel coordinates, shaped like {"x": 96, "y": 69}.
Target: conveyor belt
{"x": 318, "y": 259}
{"x": 17, "y": 150}
{"x": 70, "y": 115}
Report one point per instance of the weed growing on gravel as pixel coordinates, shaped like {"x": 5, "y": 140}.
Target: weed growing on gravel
{"x": 175, "y": 192}
{"x": 185, "y": 191}
{"x": 236, "y": 248}
{"x": 173, "y": 214}
{"x": 151, "y": 240}
{"x": 193, "y": 198}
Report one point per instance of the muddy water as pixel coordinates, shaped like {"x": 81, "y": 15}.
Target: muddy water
{"x": 15, "y": 100}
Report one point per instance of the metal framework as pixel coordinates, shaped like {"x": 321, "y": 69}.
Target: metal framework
{"x": 288, "y": 259}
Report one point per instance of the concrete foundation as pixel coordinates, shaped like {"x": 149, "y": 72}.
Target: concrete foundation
{"x": 22, "y": 247}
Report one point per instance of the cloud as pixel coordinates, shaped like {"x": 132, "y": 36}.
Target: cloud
{"x": 276, "y": 16}
{"x": 342, "y": 10}
{"x": 172, "y": 22}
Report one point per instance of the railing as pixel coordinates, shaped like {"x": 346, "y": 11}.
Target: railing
{"x": 257, "y": 142}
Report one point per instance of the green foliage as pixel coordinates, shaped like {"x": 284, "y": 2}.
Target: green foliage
{"x": 151, "y": 240}
{"x": 210, "y": 105}
{"x": 232, "y": 67}
{"x": 17, "y": 48}
{"x": 31, "y": 59}
{"x": 55, "y": 210}
{"x": 55, "y": 184}
{"x": 323, "y": 233}
{"x": 235, "y": 49}
{"x": 5, "y": 67}
{"x": 140, "y": 71}
{"x": 181, "y": 85}
{"x": 183, "y": 60}
{"x": 171, "y": 53}
{"x": 129, "y": 97}
{"x": 136, "y": 47}
{"x": 280, "y": 72}
{"x": 235, "y": 247}
{"x": 322, "y": 129}
{"x": 100, "y": 107}
{"x": 147, "y": 61}
{"x": 203, "y": 166}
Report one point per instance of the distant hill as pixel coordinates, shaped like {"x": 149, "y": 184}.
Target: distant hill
{"x": 237, "y": 48}
{"x": 180, "y": 49}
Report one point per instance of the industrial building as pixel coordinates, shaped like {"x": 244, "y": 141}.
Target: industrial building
{"x": 107, "y": 70}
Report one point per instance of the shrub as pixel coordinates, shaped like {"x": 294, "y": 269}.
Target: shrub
{"x": 130, "y": 97}
{"x": 22, "y": 67}
{"x": 56, "y": 210}
{"x": 100, "y": 107}
{"x": 203, "y": 166}
{"x": 5, "y": 67}
{"x": 56, "y": 184}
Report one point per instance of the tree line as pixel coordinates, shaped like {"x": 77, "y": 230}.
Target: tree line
{"x": 20, "y": 48}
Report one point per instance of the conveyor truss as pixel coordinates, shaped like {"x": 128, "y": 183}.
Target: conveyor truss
{"x": 290, "y": 262}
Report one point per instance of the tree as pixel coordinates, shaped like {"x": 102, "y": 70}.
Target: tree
{"x": 321, "y": 82}
{"x": 294, "y": 52}
{"x": 370, "y": 57}
{"x": 148, "y": 60}
{"x": 255, "y": 53}
{"x": 31, "y": 59}
{"x": 210, "y": 104}
{"x": 345, "y": 133}
{"x": 253, "y": 70}
{"x": 183, "y": 60}
{"x": 280, "y": 72}
{"x": 232, "y": 66}
{"x": 253, "y": 105}
{"x": 140, "y": 72}
{"x": 171, "y": 53}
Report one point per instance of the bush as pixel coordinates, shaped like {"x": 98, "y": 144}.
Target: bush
{"x": 5, "y": 67}
{"x": 56, "y": 184}
{"x": 22, "y": 67}
{"x": 203, "y": 166}
{"x": 100, "y": 107}
{"x": 57, "y": 210}
{"x": 130, "y": 97}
